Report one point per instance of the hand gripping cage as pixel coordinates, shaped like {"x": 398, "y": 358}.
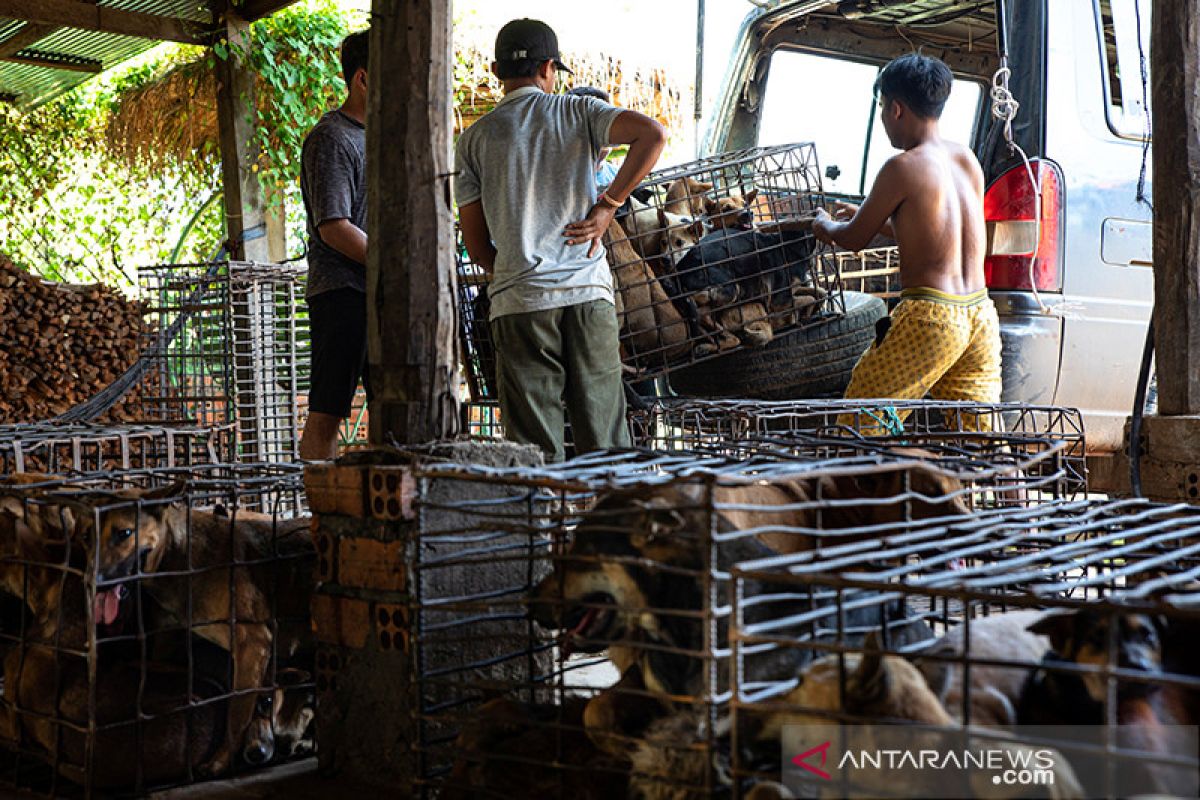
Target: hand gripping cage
{"x": 1067, "y": 627}
{"x": 591, "y": 634}
{"x": 700, "y": 263}
{"x": 155, "y": 627}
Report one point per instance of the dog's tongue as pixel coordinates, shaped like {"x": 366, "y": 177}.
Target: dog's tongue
{"x": 566, "y": 647}
{"x": 107, "y": 605}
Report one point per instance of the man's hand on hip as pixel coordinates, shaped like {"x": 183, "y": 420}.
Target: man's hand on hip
{"x": 591, "y": 228}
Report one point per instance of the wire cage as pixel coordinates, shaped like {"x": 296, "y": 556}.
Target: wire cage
{"x": 231, "y": 345}
{"x": 986, "y": 433}
{"x": 81, "y": 447}
{"x": 701, "y": 264}
{"x": 155, "y": 627}
{"x": 569, "y": 624}
{"x": 1065, "y": 630}
{"x": 875, "y": 270}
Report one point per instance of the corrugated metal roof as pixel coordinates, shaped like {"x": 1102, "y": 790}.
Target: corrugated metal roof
{"x": 30, "y": 84}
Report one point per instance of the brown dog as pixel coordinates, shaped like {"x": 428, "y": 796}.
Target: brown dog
{"x": 734, "y": 211}
{"x": 503, "y": 752}
{"x": 209, "y": 545}
{"x": 47, "y": 701}
{"x": 650, "y": 323}
{"x": 282, "y": 725}
{"x": 686, "y": 198}
{"x": 662, "y": 238}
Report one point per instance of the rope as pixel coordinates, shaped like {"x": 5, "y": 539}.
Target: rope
{"x": 1004, "y": 109}
{"x": 887, "y": 418}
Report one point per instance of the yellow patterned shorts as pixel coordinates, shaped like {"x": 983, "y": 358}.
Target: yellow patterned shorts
{"x": 942, "y": 345}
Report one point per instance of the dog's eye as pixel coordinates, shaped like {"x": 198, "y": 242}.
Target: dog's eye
{"x": 266, "y": 702}
{"x": 121, "y": 534}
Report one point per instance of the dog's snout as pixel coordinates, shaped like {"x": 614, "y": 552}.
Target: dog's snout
{"x": 258, "y": 753}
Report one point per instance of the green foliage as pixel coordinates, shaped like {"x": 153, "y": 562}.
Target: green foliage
{"x": 295, "y": 56}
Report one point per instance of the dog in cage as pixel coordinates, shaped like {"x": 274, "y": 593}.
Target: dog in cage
{"x": 268, "y": 597}
{"x": 649, "y": 321}
{"x": 687, "y": 197}
{"x": 632, "y": 579}
{"x": 748, "y": 284}
{"x": 1150, "y": 714}
{"x": 879, "y": 689}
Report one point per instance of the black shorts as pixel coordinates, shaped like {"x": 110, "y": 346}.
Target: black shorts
{"x": 338, "y": 323}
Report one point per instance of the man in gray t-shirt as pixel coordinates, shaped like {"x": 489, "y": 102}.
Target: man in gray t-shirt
{"x": 526, "y": 193}
{"x": 333, "y": 182}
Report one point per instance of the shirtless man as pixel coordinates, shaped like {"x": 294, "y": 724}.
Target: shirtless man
{"x": 944, "y": 337}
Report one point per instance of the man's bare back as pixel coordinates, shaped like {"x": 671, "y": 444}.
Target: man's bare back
{"x": 930, "y": 200}
{"x": 939, "y": 224}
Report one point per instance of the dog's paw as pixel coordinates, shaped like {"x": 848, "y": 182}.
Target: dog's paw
{"x": 215, "y": 766}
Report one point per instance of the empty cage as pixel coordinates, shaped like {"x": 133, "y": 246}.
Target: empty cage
{"x": 83, "y": 447}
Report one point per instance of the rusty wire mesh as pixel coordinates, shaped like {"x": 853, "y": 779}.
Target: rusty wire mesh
{"x": 539, "y": 592}
{"x": 1109, "y": 680}
{"x": 700, "y": 267}
{"x": 85, "y": 447}
{"x": 122, "y": 594}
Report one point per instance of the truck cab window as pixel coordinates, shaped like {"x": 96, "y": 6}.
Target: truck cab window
{"x": 1120, "y": 24}
{"x": 830, "y": 102}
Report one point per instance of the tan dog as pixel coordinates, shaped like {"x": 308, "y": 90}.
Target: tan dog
{"x": 686, "y": 198}
{"x": 282, "y": 724}
{"x": 208, "y": 544}
{"x": 662, "y": 238}
{"x": 44, "y": 679}
{"x": 734, "y": 211}
{"x": 649, "y": 321}
{"x": 882, "y": 688}
{"x": 995, "y": 691}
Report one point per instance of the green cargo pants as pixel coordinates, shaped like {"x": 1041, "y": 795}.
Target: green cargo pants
{"x": 570, "y": 354}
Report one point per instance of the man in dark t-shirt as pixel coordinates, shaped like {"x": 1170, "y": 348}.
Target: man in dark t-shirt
{"x": 333, "y": 181}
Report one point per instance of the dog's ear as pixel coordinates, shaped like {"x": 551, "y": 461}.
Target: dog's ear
{"x": 712, "y": 207}
{"x": 750, "y": 196}
{"x": 698, "y": 228}
{"x": 697, "y": 187}
{"x": 662, "y": 219}
{"x": 870, "y": 681}
{"x": 1057, "y": 625}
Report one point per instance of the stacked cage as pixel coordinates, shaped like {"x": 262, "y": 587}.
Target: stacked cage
{"x": 707, "y": 258}
{"x": 230, "y": 345}
{"x": 48, "y": 447}
{"x": 1057, "y": 658}
{"x": 584, "y": 648}
{"x": 155, "y": 626}
{"x": 1047, "y": 442}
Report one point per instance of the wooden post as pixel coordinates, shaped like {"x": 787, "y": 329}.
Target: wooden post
{"x": 244, "y": 206}
{"x": 410, "y": 264}
{"x": 1175, "y": 86}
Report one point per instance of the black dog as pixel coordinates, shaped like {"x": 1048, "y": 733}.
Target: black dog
{"x": 734, "y": 264}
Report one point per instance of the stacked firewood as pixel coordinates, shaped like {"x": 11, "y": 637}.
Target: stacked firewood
{"x": 61, "y": 344}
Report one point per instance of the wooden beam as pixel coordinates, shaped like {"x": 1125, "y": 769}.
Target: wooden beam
{"x": 244, "y": 217}
{"x": 78, "y": 14}
{"x": 1175, "y": 100}
{"x": 257, "y": 9}
{"x": 410, "y": 263}
{"x": 28, "y": 35}
{"x": 55, "y": 61}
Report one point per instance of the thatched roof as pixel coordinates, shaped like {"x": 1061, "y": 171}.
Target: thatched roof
{"x": 172, "y": 119}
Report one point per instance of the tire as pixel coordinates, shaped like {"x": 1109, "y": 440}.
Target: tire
{"x": 811, "y": 362}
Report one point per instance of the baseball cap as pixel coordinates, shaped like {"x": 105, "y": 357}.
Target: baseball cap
{"x": 529, "y": 39}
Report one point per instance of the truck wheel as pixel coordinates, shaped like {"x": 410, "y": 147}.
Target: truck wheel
{"x": 811, "y": 362}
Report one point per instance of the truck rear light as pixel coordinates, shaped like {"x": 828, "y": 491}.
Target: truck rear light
{"x": 1020, "y": 250}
